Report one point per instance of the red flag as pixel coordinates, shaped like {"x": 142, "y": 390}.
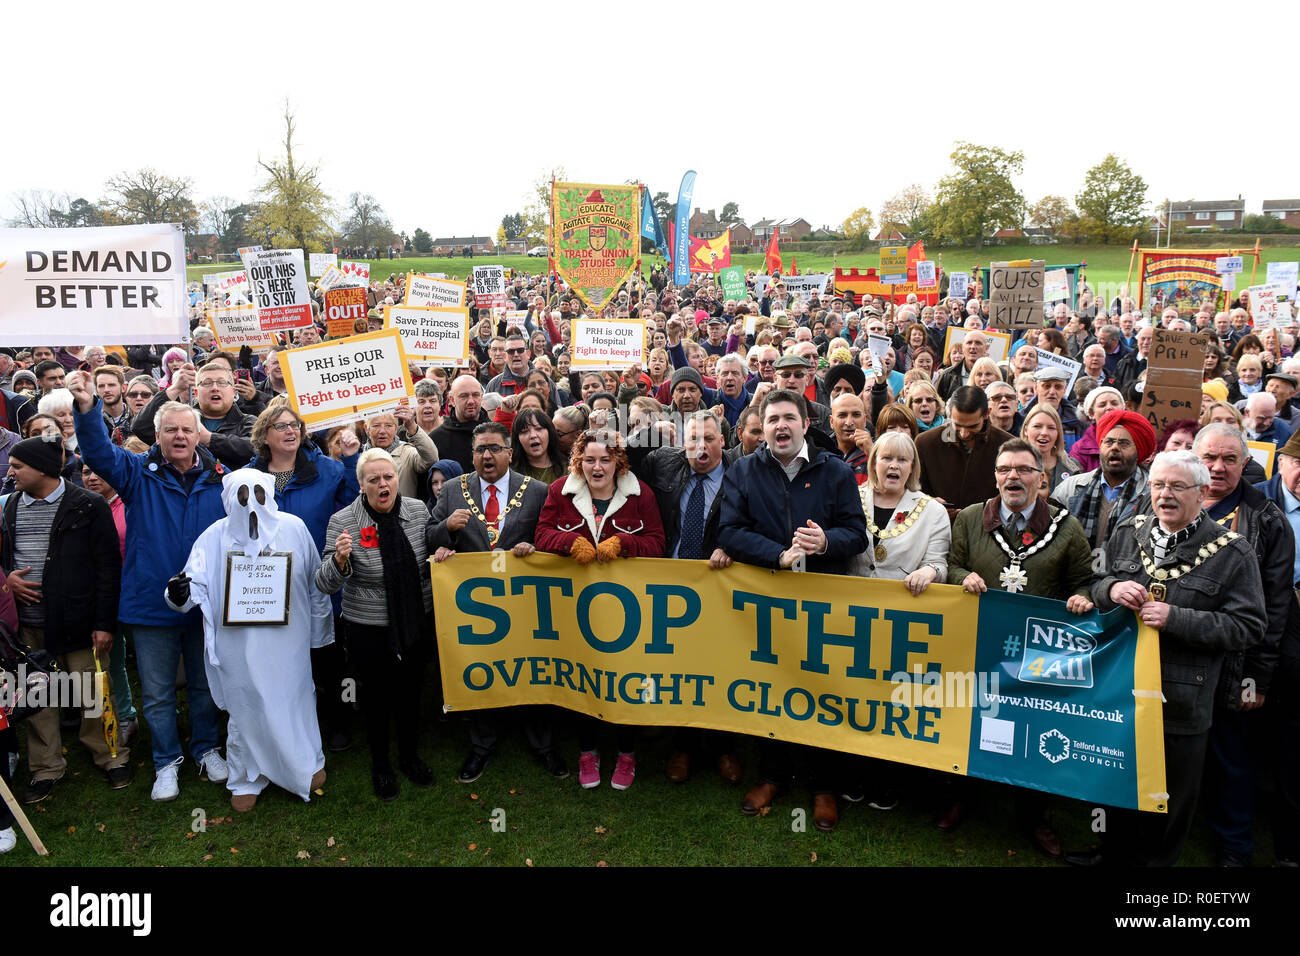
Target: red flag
{"x": 772, "y": 261}
{"x": 916, "y": 253}
{"x": 794, "y": 265}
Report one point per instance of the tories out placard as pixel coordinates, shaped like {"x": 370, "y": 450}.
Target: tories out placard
{"x": 342, "y": 309}
{"x": 123, "y": 284}
{"x": 279, "y": 282}
{"x": 434, "y": 336}
{"x": 343, "y": 380}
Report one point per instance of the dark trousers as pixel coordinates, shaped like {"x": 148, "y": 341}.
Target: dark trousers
{"x": 1136, "y": 838}
{"x": 777, "y": 760}
{"x": 705, "y": 743}
{"x": 1284, "y": 702}
{"x": 328, "y": 671}
{"x": 1231, "y": 765}
{"x": 485, "y": 728}
{"x": 388, "y": 689}
{"x": 8, "y": 745}
{"x": 591, "y": 729}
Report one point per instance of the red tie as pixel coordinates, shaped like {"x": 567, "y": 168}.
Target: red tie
{"x": 492, "y": 510}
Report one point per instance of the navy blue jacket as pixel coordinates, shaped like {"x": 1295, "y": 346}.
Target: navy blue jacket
{"x": 319, "y": 487}
{"x": 761, "y": 509}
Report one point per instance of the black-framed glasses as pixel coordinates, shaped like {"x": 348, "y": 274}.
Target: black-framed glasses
{"x": 138, "y": 394}
{"x": 516, "y": 351}
{"x": 490, "y": 449}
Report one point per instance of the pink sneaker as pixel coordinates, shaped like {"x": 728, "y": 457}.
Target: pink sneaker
{"x": 624, "y": 772}
{"x": 589, "y": 770}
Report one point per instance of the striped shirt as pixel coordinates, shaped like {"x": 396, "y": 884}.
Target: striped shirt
{"x": 32, "y": 524}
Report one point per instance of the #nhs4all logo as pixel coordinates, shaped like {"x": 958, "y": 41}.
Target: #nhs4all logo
{"x": 1056, "y": 653}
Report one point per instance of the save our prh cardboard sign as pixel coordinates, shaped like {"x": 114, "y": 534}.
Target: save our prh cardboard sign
{"x": 344, "y": 380}
{"x": 1175, "y": 368}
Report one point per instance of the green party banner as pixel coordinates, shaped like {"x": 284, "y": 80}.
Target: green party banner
{"x": 594, "y": 238}
{"x": 1000, "y": 686}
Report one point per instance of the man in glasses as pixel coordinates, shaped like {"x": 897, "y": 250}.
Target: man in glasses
{"x": 513, "y": 379}
{"x": 223, "y": 428}
{"x": 493, "y": 508}
{"x": 1017, "y": 541}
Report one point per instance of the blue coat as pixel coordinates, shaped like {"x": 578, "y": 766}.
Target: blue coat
{"x": 319, "y": 487}
{"x": 163, "y": 520}
{"x": 761, "y": 509}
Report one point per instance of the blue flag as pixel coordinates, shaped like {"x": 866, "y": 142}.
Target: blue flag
{"x": 650, "y": 227}
{"x": 682, "y": 233}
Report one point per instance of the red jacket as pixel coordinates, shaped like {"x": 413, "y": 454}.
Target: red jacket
{"x": 633, "y": 515}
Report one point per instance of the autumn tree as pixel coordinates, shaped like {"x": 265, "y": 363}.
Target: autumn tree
{"x": 1051, "y": 212}
{"x": 537, "y": 208}
{"x": 906, "y": 211}
{"x": 366, "y": 225}
{"x": 148, "y": 196}
{"x": 978, "y": 197}
{"x": 295, "y": 211}
{"x": 1115, "y": 198}
{"x": 857, "y": 227}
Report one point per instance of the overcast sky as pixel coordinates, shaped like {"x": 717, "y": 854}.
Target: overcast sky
{"x": 447, "y": 112}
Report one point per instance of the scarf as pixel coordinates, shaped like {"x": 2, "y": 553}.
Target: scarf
{"x": 1088, "y": 510}
{"x": 1164, "y": 544}
{"x": 939, "y": 422}
{"x": 402, "y": 585}
{"x": 732, "y": 407}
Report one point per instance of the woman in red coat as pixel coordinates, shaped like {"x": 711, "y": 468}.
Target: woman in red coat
{"x": 601, "y": 512}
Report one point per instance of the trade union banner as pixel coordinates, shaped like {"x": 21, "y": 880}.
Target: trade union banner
{"x": 595, "y": 237}
{"x": 1000, "y": 686}
{"x": 1180, "y": 278}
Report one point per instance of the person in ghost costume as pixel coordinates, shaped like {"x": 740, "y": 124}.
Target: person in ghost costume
{"x": 260, "y": 674}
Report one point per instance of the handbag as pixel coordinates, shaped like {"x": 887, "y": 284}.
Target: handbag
{"x": 24, "y": 673}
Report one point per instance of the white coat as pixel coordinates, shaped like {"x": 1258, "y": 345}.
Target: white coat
{"x": 926, "y": 542}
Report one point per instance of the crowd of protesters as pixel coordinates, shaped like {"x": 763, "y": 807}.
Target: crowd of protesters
{"x": 918, "y": 464}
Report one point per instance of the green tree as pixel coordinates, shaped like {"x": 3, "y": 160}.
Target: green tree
{"x": 906, "y": 211}
{"x": 422, "y": 241}
{"x": 148, "y": 196}
{"x": 1115, "y": 198}
{"x": 295, "y": 211}
{"x": 512, "y": 226}
{"x": 537, "y": 208}
{"x": 665, "y": 208}
{"x": 1262, "y": 223}
{"x": 730, "y": 212}
{"x": 857, "y": 227}
{"x": 978, "y": 197}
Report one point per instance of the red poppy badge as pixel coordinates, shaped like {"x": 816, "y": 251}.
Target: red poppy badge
{"x": 1027, "y": 538}
{"x": 370, "y": 537}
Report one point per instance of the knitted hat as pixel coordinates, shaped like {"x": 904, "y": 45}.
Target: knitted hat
{"x": 44, "y": 453}
{"x": 686, "y": 374}
{"x": 1216, "y": 389}
{"x": 1144, "y": 435}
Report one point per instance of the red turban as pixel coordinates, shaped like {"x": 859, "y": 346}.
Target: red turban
{"x": 1144, "y": 435}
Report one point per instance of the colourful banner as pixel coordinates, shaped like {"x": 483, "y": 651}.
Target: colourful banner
{"x": 681, "y": 230}
{"x": 711, "y": 255}
{"x": 1003, "y": 687}
{"x": 595, "y": 238}
{"x": 867, "y": 283}
{"x": 1180, "y": 278}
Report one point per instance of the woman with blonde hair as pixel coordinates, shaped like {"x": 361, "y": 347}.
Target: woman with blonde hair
{"x": 1042, "y": 429}
{"x": 924, "y": 401}
{"x": 984, "y": 371}
{"x": 1220, "y": 413}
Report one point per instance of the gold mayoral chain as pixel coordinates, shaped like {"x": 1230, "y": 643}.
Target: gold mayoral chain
{"x": 881, "y": 552}
{"x": 1014, "y": 578}
{"x": 1161, "y": 575}
{"x": 492, "y": 533}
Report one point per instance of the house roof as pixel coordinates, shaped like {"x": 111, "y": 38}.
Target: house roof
{"x": 461, "y": 241}
{"x": 1281, "y": 205}
{"x": 1211, "y": 205}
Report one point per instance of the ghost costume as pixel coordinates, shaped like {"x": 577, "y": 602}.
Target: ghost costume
{"x": 261, "y": 675}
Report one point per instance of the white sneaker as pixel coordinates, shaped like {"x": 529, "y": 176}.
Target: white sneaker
{"x": 213, "y": 767}
{"x": 166, "y": 786}
{"x": 8, "y": 840}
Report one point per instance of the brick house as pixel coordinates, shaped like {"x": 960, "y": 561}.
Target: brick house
{"x": 1209, "y": 214}
{"x": 1285, "y": 210}
{"x": 446, "y": 244}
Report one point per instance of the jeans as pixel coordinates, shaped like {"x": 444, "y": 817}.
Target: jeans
{"x": 157, "y": 652}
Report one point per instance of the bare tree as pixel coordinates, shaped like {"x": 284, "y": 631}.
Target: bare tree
{"x": 146, "y": 196}
{"x": 39, "y": 209}
{"x": 367, "y": 224}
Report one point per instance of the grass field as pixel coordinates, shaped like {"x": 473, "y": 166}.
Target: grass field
{"x": 549, "y": 822}
{"x": 1106, "y": 264}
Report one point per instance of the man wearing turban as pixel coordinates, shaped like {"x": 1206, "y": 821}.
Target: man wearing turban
{"x": 1103, "y": 497}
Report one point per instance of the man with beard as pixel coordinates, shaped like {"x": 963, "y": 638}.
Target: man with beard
{"x": 1018, "y": 541}
{"x": 1239, "y": 734}
{"x": 957, "y": 459}
{"x": 1105, "y": 496}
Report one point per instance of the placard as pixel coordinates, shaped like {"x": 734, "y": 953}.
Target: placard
{"x": 123, "y": 284}
{"x": 358, "y": 272}
{"x": 1016, "y": 294}
{"x": 879, "y": 346}
{"x": 343, "y": 380}
{"x": 999, "y": 342}
{"x": 1056, "y": 285}
{"x": 1060, "y": 361}
{"x": 797, "y": 287}
{"x": 321, "y": 262}
{"x": 243, "y": 250}
{"x": 1268, "y": 306}
{"x": 1264, "y": 452}
{"x": 342, "y": 309}
{"x": 958, "y": 282}
{"x": 732, "y": 280}
{"x": 608, "y": 343}
{"x": 489, "y": 287}
{"x": 440, "y": 293}
{"x": 1228, "y": 265}
{"x": 1175, "y": 368}
{"x": 279, "y": 281}
{"x": 236, "y": 326}
{"x": 893, "y": 265}
{"x": 233, "y": 284}
{"x": 436, "y": 336}
{"x": 925, "y": 275}
{"x": 257, "y": 589}
{"x": 332, "y": 279}
{"x": 1285, "y": 274}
